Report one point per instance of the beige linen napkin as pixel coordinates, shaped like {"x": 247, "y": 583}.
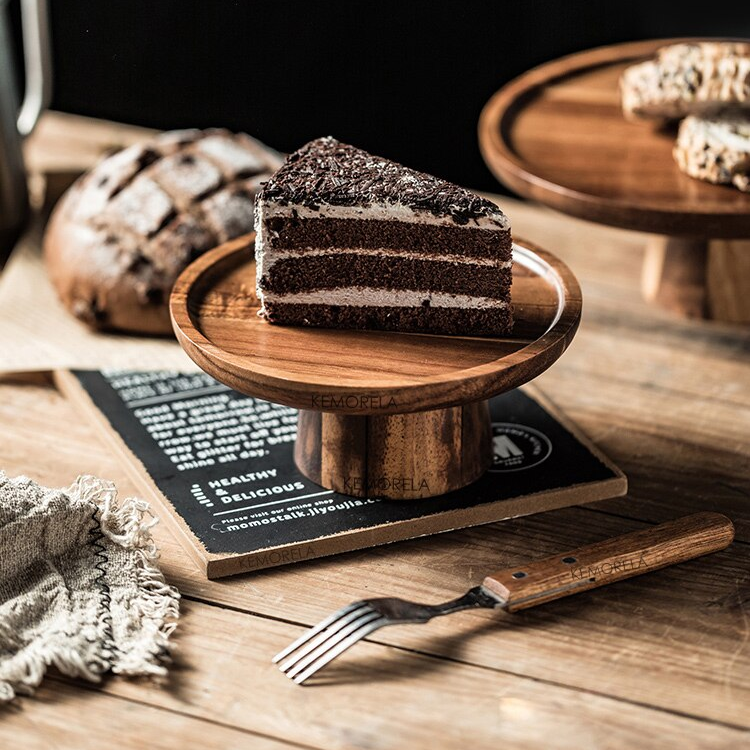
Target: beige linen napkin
{"x": 79, "y": 585}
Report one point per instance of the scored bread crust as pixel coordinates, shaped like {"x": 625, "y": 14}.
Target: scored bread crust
{"x": 120, "y": 236}
{"x": 715, "y": 150}
{"x": 689, "y": 78}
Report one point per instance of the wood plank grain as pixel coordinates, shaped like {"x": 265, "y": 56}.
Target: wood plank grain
{"x": 63, "y": 142}
{"x": 660, "y": 433}
{"x": 688, "y": 623}
{"x": 68, "y": 714}
{"x": 576, "y": 642}
{"x": 388, "y": 698}
{"x": 680, "y": 454}
{"x": 705, "y": 369}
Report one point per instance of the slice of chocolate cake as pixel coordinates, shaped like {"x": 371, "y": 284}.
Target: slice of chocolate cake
{"x": 350, "y": 240}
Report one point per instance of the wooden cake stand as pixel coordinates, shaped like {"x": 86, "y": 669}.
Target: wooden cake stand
{"x": 557, "y": 134}
{"x": 381, "y": 414}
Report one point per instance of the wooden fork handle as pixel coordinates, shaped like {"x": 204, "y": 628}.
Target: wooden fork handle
{"x": 611, "y": 560}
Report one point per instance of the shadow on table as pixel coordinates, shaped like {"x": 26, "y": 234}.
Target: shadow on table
{"x": 401, "y": 662}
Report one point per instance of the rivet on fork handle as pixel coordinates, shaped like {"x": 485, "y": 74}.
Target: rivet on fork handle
{"x": 611, "y": 560}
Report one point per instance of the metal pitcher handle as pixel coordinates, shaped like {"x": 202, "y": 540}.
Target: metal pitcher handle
{"x": 38, "y": 64}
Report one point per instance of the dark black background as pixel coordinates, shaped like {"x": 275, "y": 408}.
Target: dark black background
{"x": 403, "y": 79}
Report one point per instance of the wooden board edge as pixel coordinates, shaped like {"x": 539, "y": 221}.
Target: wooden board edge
{"x": 69, "y": 386}
{"x": 400, "y": 531}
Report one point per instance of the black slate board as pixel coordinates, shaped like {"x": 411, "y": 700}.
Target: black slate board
{"x": 221, "y": 464}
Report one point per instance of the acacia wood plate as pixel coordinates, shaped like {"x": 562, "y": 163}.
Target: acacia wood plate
{"x": 557, "y": 134}
{"x": 214, "y": 313}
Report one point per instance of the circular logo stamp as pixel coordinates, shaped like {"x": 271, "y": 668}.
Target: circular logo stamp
{"x": 516, "y": 447}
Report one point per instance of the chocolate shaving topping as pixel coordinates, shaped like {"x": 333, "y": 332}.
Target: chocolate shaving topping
{"x": 326, "y": 171}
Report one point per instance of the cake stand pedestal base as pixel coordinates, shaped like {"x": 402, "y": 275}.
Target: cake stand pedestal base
{"x": 397, "y": 456}
{"x": 699, "y": 278}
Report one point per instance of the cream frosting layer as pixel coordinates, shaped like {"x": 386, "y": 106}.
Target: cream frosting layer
{"x": 363, "y": 296}
{"x": 381, "y": 212}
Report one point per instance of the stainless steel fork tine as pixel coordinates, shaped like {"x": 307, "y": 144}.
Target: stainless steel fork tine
{"x": 322, "y": 625}
{"x": 329, "y": 632}
{"x": 358, "y": 635}
{"x": 329, "y": 643}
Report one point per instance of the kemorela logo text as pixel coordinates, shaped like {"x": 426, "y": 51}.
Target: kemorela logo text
{"x": 516, "y": 447}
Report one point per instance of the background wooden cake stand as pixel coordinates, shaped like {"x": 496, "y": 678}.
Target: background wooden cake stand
{"x": 557, "y": 134}
{"x": 386, "y": 414}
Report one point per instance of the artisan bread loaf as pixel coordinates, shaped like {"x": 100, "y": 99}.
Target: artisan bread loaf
{"x": 121, "y": 235}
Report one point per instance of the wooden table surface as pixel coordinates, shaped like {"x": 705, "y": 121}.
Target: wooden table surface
{"x": 658, "y": 661}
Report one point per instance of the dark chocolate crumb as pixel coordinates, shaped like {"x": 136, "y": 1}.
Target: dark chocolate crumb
{"x": 326, "y": 171}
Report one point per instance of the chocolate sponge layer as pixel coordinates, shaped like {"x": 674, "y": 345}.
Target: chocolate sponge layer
{"x": 294, "y": 233}
{"x": 300, "y": 274}
{"x": 437, "y": 320}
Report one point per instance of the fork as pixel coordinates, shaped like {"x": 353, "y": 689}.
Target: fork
{"x": 516, "y": 588}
